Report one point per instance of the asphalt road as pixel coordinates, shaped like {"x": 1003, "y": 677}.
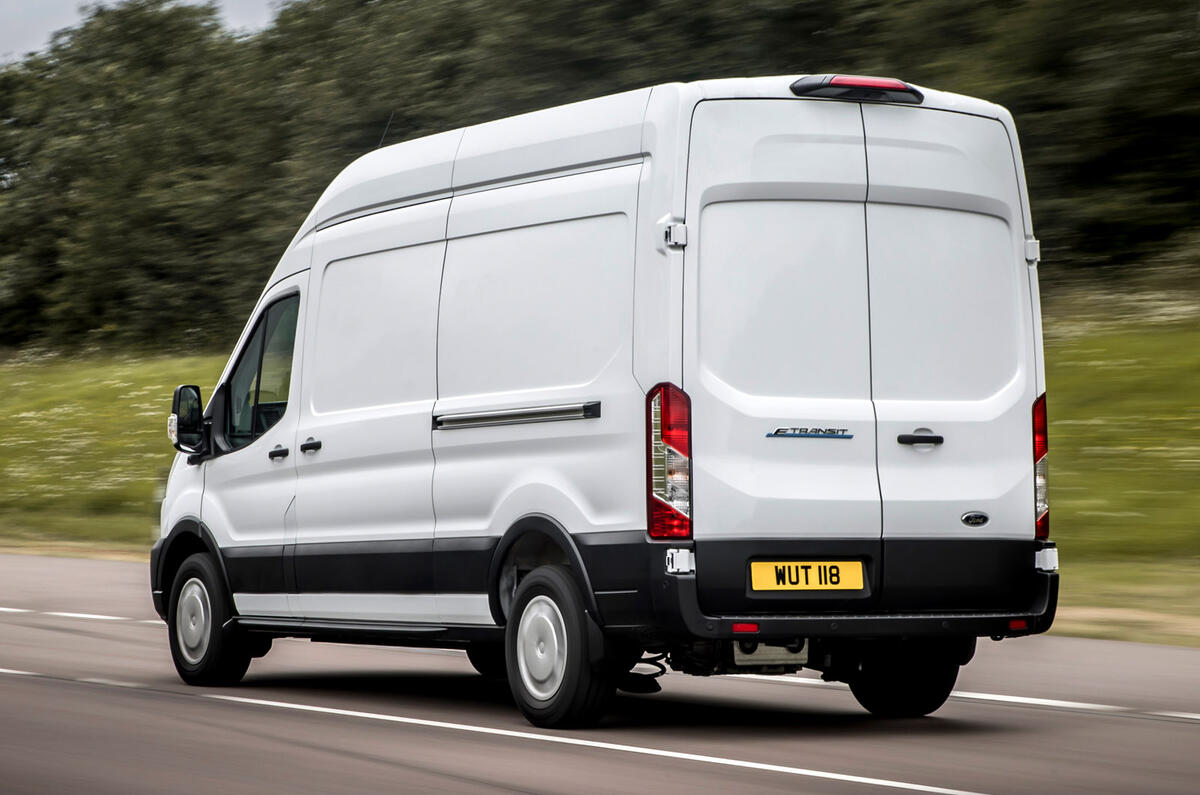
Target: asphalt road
{"x": 89, "y": 702}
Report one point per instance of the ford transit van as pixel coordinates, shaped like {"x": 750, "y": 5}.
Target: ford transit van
{"x": 730, "y": 376}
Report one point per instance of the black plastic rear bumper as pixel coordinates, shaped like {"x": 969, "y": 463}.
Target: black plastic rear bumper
{"x": 914, "y": 588}
{"x": 678, "y": 608}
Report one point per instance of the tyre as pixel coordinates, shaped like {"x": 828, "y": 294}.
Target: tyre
{"x": 550, "y": 647}
{"x": 904, "y": 683}
{"x": 488, "y": 659}
{"x": 203, "y": 652}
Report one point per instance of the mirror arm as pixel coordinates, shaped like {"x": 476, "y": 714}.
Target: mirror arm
{"x": 206, "y": 447}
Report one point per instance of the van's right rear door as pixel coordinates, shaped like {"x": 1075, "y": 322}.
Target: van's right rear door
{"x": 952, "y": 356}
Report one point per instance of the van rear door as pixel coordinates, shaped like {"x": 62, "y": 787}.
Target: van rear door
{"x": 952, "y": 356}
{"x": 777, "y": 356}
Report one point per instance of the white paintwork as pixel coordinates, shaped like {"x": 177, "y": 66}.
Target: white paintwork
{"x": 371, "y": 358}
{"x": 182, "y": 496}
{"x": 777, "y": 331}
{"x": 368, "y": 606}
{"x": 537, "y": 311}
{"x": 246, "y": 494}
{"x": 417, "y": 171}
{"x": 273, "y": 605}
{"x": 843, "y": 261}
{"x": 951, "y": 324}
{"x": 596, "y": 131}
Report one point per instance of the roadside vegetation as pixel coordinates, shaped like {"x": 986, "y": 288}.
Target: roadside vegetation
{"x": 1123, "y": 373}
{"x": 83, "y": 447}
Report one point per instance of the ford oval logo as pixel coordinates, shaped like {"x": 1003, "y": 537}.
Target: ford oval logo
{"x": 974, "y": 518}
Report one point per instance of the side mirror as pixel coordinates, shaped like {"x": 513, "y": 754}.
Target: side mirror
{"x": 185, "y": 426}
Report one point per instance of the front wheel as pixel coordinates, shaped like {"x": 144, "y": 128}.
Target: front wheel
{"x": 548, "y": 644}
{"x": 901, "y": 686}
{"x": 203, "y": 651}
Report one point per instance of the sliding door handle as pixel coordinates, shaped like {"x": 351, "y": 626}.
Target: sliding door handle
{"x": 310, "y": 444}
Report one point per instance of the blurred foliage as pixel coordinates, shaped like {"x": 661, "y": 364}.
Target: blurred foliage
{"x": 153, "y": 166}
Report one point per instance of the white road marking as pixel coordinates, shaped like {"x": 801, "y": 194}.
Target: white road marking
{"x": 788, "y": 680}
{"x": 1184, "y": 715}
{"x": 91, "y": 616}
{"x": 630, "y": 749}
{"x": 963, "y": 694}
{"x": 1038, "y": 702}
{"x": 111, "y": 682}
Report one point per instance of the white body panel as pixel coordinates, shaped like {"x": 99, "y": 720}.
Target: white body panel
{"x": 183, "y": 495}
{"x": 537, "y": 311}
{"x": 778, "y": 331}
{"x": 952, "y": 325}
{"x": 372, "y": 358}
{"x": 248, "y": 497}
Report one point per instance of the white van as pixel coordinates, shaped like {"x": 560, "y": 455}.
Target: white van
{"x": 744, "y": 374}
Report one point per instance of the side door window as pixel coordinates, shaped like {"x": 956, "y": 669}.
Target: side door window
{"x": 259, "y": 382}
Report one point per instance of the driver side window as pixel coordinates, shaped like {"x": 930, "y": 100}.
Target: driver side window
{"x": 259, "y": 382}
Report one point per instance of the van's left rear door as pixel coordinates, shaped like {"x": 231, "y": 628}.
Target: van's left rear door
{"x": 777, "y": 357}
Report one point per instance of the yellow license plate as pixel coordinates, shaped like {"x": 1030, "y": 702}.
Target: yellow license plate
{"x": 806, "y": 575}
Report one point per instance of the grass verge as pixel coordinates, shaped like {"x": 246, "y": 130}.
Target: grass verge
{"x": 84, "y": 450}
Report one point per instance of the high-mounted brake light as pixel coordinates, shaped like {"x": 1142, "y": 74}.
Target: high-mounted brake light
{"x": 668, "y": 462}
{"x": 857, "y": 87}
{"x": 1041, "y": 469}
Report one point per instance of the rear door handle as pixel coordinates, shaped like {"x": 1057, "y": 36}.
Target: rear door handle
{"x": 919, "y": 438}
{"x": 278, "y": 452}
{"x": 310, "y": 444}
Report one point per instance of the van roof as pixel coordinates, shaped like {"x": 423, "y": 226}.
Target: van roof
{"x": 580, "y": 135}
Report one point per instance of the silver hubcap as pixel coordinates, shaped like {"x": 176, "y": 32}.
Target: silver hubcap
{"x": 541, "y": 648}
{"x": 193, "y": 620}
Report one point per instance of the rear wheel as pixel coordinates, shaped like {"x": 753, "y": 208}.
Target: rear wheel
{"x": 902, "y": 683}
{"x": 549, "y": 647}
{"x": 204, "y": 652}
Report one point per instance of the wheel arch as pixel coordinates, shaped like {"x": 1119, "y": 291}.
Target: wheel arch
{"x": 535, "y": 539}
{"x": 187, "y": 537}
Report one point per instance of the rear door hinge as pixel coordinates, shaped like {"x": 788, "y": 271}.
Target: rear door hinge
{"x": 672, "y": 233}
{"x": 675, "y": 236}
{"x": 1033, "y": 250}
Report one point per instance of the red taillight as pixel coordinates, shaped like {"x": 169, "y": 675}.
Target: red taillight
{"x": 1041, "y": 436}
{"x": 666, "y": 522}
{"x": 676, "y": 419}
{"x": 1018, "y": 623}
{"x": 668, "y": 463}
{"x": 862, "y": 81}
{"x": 1041, "y": 469}
{"x": 745, "y": 627}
